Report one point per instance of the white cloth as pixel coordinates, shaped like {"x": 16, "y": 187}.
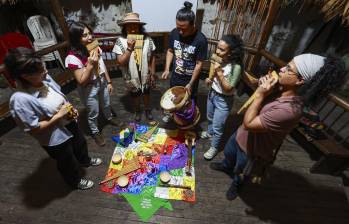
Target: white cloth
{"x": 51, "y": 99}
{"x": 131, "y": 73}
{"x": 74, "y": 62}
{"x": 216, "y": 85}
{"x": 308, "y": 65}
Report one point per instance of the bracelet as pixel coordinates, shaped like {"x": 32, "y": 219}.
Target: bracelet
{"x": 109, "y": 83}
{"x": 129, "y": 49}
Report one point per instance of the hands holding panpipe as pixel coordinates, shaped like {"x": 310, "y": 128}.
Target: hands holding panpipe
{"x": 93, "y": 49}
{"x": 274, "y": 77}
{"x": 214, "y": 59}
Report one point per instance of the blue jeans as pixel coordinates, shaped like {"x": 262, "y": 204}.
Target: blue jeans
{"x": 94, "y": 95}
{"x": 234, "y": 159}
{"x": 218, "y": 107}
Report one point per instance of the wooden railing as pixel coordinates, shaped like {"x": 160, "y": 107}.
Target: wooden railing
{"x": 66, "y": 77}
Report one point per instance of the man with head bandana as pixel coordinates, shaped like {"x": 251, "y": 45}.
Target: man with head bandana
{"x": 275, "y": 111}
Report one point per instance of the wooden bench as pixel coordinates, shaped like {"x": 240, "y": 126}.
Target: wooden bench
{"x": 334, "y": 114}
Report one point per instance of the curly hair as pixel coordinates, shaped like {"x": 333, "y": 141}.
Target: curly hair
{"x": 236, "y": 48}
{"x": 330, "y": 77}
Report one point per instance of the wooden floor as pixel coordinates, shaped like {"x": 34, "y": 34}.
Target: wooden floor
{"x": 31, "y": 190}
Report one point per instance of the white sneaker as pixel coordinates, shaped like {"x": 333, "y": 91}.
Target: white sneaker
{"x": 205, "y": 135}
{"x": 210, "y": 153}
{"x": 166, "y": 118}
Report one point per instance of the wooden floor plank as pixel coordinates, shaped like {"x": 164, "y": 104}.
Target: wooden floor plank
{"x": 31, "y": 190}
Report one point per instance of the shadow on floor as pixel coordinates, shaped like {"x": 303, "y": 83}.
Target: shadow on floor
{"x": 44, "y": 185}
{"x": 287, "y": 197}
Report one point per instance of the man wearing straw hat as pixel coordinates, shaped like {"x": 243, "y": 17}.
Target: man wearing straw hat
{"x": 187, "y": 50}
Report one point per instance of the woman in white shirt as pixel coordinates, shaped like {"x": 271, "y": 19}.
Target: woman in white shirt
{"x": 90, "y": 72}
{"x": 221, "y": 95}
{"x": 40, "y": 108}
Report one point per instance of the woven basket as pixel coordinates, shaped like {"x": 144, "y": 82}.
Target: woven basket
{"x": 182, "y": 124}
{"x": 180, "y": 98}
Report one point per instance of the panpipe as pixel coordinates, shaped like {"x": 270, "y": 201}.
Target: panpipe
{"x": 251, "y": 99}
{"x": 131, "y": 166}
{"x": 190, "y": 142}
{"x": 138, "y": 48}
{"x": 94, "y": 46}
{"x": 72, "y": 112}
{"x": 145, "y": 137}
{"x": 214, "y": 58}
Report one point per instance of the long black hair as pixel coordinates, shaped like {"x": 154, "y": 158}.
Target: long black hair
{"x": 20, "y": 61}
{"x": 236, "y": 48}
{"x": 76, "y": 30}
{"x": 330, "y": 77}
{"x": 142, "y": 31}
{"x": 186, "y": 14}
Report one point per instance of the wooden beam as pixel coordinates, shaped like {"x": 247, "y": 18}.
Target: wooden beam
{"x": 267, "y": 28}
{"x": 60, "y": 46}
{"x": 58, "y": 12}
{"x": 277, "y": 61}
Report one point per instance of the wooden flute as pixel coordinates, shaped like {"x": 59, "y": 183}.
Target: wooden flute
{"x": 253, "y": 97}
{"x": 94, "y": 46}
{"x": 214, "y": 58}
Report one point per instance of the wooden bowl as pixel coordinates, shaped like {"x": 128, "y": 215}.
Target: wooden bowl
{"x": 165, "y": 177}
{"x": 123, "y": 181}
{"x": 117, "y": 158}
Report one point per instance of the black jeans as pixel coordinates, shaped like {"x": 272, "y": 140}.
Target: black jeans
{"x": 70, "y": 155}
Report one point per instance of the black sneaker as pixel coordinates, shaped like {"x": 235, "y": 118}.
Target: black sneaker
{"x": 116, "y": 122}
{"x": 232, "y": 192}
{"x": 99, "y": 139}
{"x": 148, "y": 114}
{"x": 85, "y": 184}
{"x": 138, "y": 116}
{"x": 219, "y": 167}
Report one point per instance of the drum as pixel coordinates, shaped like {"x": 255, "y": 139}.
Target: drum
{"x": 177, "y": 101}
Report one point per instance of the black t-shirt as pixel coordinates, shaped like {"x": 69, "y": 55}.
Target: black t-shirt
{"x": 186, "y": 50}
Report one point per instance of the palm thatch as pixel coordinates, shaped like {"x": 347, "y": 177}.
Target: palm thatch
{"x": 330, "y": 8}
{"x": 333, "y": 8}
{"x": 11, "y": 2}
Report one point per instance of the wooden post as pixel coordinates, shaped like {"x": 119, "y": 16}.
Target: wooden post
{"x": 272, "y": 12}
{"x": 58, "y": 12}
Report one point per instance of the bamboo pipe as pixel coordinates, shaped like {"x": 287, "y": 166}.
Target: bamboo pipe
{"x": 253, "y": 97}
{"x": 214, "y": 58}
{"x": 138, "y": 48}
{"x": 94, "y": 47}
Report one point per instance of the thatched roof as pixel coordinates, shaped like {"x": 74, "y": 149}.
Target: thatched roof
{"x": 11, "y": 2}
{"x": 333, "y": 8}
{"x": 330, "y": 8}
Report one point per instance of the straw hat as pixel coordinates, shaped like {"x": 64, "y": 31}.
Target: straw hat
{"x": 131, "y": 17}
